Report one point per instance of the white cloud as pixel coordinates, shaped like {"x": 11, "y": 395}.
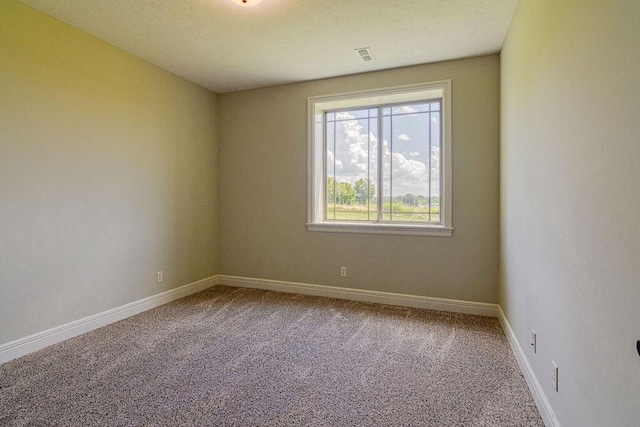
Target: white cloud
{"x": 352, "y": 146}
{"x": 404, "y": 137}
{"x": 407, "y": 109}
{"x": 409, "y": 172}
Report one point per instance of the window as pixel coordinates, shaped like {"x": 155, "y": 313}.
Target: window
{"x": 380, "y": 161}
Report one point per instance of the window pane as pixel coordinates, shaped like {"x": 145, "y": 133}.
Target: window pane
{"x": 352, "y": 114}
{"x": 410, "y": 165}
{"x": 408, "y": 109}
{"x": 352, "y": 161}
{"x": 436, "y": 157}
{"x": 330, "y": 189}
{"x": 372, "y": 179}
{"x": 386, "y": 167}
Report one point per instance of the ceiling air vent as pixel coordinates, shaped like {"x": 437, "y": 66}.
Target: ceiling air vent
{"x": 366, "y": 54}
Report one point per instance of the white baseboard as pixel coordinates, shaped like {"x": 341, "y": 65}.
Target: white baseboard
{"x": 26, "y": 345}
{"x": 31, "y": 343}
{"x": 543, "y": 404}
{"x": 440, "y": 304}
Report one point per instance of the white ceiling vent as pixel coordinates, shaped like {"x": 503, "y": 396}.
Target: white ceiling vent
{"x": 366, "y": 54}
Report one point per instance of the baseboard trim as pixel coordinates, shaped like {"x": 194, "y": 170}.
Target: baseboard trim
{"x": 40, "y": 340}
{"x": 404, "y": 300}
{"x": 539, "y": 396}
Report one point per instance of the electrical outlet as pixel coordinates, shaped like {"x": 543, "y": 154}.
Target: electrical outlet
{"x": 343, "y": 271}
{"x": 159, "y": 277}
{"x": 534, "y": 342}
{"x": 555, "y": 375}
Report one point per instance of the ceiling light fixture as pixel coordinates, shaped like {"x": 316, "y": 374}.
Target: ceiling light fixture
{"x": 247, "y": 3}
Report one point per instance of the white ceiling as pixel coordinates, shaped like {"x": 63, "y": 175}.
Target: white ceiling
{"x": 225, "y": 47}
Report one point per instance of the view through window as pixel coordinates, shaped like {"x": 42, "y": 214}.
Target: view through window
{"x": 404, "y": 171}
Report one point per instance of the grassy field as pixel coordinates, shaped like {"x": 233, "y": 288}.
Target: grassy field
{"x": 396, "y": 212}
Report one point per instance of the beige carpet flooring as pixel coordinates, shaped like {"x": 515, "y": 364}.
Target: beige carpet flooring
{"x": 242, "y": 357}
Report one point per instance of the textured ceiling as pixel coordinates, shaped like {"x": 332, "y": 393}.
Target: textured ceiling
{"x": 225, "y": 47}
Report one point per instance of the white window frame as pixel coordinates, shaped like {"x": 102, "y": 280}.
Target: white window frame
{"x": 316, "y": 173}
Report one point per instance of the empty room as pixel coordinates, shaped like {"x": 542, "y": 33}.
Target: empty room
{"x": 319, "y": 213}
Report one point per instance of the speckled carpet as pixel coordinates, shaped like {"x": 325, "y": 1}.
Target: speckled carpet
{"x": 243, "y": 357}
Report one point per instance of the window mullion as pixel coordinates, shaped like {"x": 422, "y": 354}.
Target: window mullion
{"x": 390, "y": 164}
{"x": 368, "y": 182}
{"x": 380, "y": 164}
{"x": 325, "y": 172}
{"x": 429, "y": 116}
{"x": 442, "y": 165}
{"x": 335, "y": 202}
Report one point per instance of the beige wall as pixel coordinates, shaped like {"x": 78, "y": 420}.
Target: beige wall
{"x": 570, "y": 234}
{"x": 263, "y": 185}
{"x": 107, "y": 174}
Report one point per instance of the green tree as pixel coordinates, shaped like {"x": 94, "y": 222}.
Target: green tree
{"x": 362, "y": 195}
{"x": 410, "y": 199}
{"x": 422, "y": 200}
{"x": 346, "y": 194}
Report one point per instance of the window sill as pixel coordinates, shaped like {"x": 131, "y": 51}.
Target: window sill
{"x": 398, "y": 229}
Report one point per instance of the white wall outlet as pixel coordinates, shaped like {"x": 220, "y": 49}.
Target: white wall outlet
{"x": 159, "y": 277}
{"x": 343, "y": 271}
{"x": 534, "y": 342}
{"x": 555, "y": 375}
